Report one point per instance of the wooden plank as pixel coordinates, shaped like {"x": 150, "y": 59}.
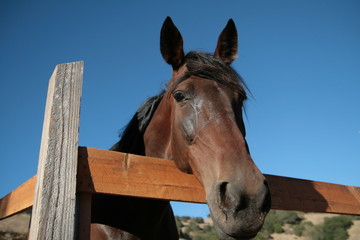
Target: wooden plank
{"x": 312, "y": 196}
{"x": 111, "y": 172}
{"x": 19, "y": 199}
{"x": 53, "y": 215}
{"x": 102, "y": 171}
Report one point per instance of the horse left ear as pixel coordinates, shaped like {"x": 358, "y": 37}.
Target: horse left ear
{"x": 171, "y": 44}
{"x": 227, "y": 45}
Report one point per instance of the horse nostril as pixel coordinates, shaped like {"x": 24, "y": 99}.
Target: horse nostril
{"x": 230, "y": 198}
{"x": 266, "y": 184}
{"x": 235, "y": 200}
{"x": 222, "y": 193}
{"x": 267, "y": 198}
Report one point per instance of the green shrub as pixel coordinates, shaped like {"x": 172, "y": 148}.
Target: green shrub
{"x": 278, "y": 228}
{"x": 178, "y": 222}
{"x": 184, "y": 218}
{"x": 193, "y": 226}
{"x": 262, "y": 235}
{"x": 184, "y": 235}
{"x": 301, "y": 228}
{"x": 289, "y": 217}
{"x": 335, "y": 228}
{"x": 198, "y": 220}
{"x": 276, "y": 219}
{"x": 315, "y": 233}
{"x": 206, "y": 236}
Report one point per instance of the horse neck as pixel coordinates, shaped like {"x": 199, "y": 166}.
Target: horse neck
{"x": 145, "y": 218}
{"x": 157, "y": 138}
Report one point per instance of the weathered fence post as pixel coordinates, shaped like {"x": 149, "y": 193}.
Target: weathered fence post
{"x": 53, "y": 215}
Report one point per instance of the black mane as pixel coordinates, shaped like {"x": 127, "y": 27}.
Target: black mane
{"x": 207, "y": 66}
{"x": 131, "y": 139}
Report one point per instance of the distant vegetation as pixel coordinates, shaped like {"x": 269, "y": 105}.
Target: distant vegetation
{"x": 12, "y": 236}
{"x": 333, "y": 227}
{"x": 195, "y": 229}
{"x": 275, "y": 221}
{"x": 289, "y": 222}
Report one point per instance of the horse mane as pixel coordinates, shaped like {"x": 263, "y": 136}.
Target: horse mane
{"x": 207, "y": 66}
{"x": 131, "y": 139}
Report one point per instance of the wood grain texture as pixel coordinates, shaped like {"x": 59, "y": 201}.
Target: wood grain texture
{"x": 111, "y": 172}
{"x": 102, "y": 171}
{"x": 53, "y": 215}
{"x": 313, "y": 196}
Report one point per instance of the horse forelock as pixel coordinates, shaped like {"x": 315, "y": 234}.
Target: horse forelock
{"x": 207, "y": 66}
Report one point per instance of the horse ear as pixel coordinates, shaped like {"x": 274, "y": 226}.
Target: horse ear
{"x": 171, "y": 44}
{"x": 227, "y": 45}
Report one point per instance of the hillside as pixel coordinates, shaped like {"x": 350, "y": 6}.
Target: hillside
{"x": 15, "y": 227}
{"x": 280, "y": 225}
{"x": 283, "y": 225}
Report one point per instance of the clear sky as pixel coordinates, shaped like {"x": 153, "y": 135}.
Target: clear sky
{"x": 300, "y": 59}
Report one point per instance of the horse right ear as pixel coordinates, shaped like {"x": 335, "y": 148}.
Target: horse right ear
{"x": 171, "y": 44}
{"x": 227, "y": 45}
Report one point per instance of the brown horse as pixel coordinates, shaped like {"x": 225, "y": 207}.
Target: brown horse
{"x": 197, "y": 122}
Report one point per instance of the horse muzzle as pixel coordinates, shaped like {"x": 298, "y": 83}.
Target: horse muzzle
{"x": 239, "y": 211}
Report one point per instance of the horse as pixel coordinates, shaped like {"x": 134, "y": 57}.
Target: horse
{"x": 197, "y": 122}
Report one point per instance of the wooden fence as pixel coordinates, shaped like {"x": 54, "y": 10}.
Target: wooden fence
{"x": 60, "y": 193}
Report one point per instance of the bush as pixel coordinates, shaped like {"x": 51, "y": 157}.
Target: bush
{"x": 315, "y": 233}
{"x": 178, "y": 222}
{"x": 12, "y": 235}
{"x": 184, "y": 218}
{"x": 184, "y": 235}
{"x": 193, "y": 226}
{"x": 336, "y": 228}
{"x": 206, "y": 236}
{"x": 288, "y": 217}
{"x": 198, "y": 220}
{"x": 302, "y": 227}
{"x": 276, "y": 219}
{"x": 278, "y": 228}
{"x": 262, "y": 235}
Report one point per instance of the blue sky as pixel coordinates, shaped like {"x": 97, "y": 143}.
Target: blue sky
{"x": 300, "y": 59}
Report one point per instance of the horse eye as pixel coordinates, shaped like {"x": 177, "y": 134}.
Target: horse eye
{"x": 179, "y": 96}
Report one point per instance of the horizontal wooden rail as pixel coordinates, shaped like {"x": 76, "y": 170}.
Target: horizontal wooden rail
{"x": 18, "y": 200}
{"x": 131, "y": 175}
{"x": 313, "y": 196}
{"x": 108, "y": 172}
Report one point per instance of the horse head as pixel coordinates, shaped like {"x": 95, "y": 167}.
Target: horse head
{"x": 199, "y": 124}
